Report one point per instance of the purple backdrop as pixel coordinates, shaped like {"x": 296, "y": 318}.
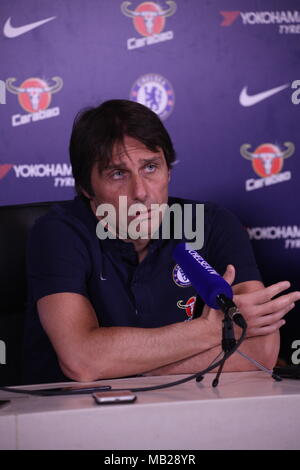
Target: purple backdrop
{"x": 224, "y": 80}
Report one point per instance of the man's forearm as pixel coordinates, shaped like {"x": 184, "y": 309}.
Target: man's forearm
{"x": 264, "y": 349}
{"x": 122, "y": 351}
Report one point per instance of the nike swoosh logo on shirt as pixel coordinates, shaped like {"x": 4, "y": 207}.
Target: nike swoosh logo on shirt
{"x": 10, "y": 31}
{"x": 247, "y": 100}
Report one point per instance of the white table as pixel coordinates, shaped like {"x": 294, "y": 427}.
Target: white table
{"x": 248, "y": 410}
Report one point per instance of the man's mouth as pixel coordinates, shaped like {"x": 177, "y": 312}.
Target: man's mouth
{"x": 141, "y": 215}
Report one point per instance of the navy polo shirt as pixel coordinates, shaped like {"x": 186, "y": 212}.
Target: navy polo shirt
{"x": 65, "y": 255}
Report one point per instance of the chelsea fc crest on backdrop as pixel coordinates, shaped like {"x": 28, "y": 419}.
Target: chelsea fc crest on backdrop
{"x": 155, "y": 92}
{"x": 179, "y": 277}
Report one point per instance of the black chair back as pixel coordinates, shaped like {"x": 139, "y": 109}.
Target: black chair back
{"x": 15, "y": 224}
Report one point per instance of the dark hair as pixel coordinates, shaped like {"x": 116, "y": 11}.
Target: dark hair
{"x": 97, "y": 130}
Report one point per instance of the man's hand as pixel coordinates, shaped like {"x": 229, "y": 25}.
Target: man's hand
{"x": 264, "y": 317}
{"x": 263, "y": 314}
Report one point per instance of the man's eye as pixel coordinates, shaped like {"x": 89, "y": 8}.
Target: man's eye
{"x": 116, "y": 175}
{"x": 151, "y": 167}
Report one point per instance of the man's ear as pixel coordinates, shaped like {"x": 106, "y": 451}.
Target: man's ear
{"x": 85, "y": 193}
{"x": 92, "y": 200}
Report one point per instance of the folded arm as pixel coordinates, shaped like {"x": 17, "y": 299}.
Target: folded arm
{"x": 264, "y": 318}
{"x": 88, "y": 352}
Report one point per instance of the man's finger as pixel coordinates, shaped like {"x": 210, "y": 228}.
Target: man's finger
{"x": 277, "y": 304}
{"x": 266, "y": 330}
{"x": 229, "y": 274}
{"x": 273, "y": 317}
{"x": 267, "y": 293}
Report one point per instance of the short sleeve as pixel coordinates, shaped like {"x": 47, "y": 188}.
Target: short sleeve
{"x": 228, "y": 243}
{"x": 57, "y": 259}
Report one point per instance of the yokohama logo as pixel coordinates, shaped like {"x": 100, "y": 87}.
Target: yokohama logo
{"x": 61, "y": 173}
{"x": 261, "y": 17}
{"x": 37, "y": 170}
{"x": 42, "y": 170}
{"x": 289, "y": 234}
{"x": 274, "y": 233}
{"x": 229, "y": 17}
{"x": 4, "y": 169}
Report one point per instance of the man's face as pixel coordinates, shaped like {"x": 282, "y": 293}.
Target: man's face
{"x": 135, "y": 172}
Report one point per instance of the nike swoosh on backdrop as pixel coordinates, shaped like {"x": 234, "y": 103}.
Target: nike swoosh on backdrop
{"x": 10, "y": 31}
{"x": 247, "y": 100}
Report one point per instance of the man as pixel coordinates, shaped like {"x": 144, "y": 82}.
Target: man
{"x": 105, "y": 308}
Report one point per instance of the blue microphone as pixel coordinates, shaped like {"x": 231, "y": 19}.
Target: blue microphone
{"x": 211, "y": 287}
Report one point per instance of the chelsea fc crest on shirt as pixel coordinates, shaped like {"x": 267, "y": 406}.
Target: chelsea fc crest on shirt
{"x": 155, "y": 92}
{"x": 179, "y": 277}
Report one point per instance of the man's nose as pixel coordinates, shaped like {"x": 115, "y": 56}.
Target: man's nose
{"x": 138, "y": 188}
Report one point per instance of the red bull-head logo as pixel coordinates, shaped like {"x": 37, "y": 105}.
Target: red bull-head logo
{"x": 149, "y": 17}
{"x": 267, "y": 159}
{"x": 34, "y": 94}
{"x": 188, "y": 306}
